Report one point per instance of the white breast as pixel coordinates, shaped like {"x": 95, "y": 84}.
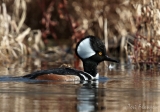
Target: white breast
{"x": 84, "y": 49}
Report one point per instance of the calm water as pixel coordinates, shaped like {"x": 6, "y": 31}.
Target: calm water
{"x": 121, "y": 91}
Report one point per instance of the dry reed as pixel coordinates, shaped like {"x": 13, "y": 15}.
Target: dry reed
{"x": 131, "y": 26}
{"x": 15, "y": 36}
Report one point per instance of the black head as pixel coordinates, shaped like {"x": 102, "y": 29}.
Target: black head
{"x": 93, "y": 49}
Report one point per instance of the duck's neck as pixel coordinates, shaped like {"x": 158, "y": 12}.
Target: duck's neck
{"x": 90, "y": 67}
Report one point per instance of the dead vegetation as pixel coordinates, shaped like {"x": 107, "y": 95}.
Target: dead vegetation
{"x": 16, "y": 39}
{"x": 130, "y": 28}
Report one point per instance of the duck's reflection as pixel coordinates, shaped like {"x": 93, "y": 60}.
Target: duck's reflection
{"x": 87, "y": 98}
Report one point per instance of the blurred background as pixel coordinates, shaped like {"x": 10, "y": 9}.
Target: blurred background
{"x": 51, "y": 28}
{"x": 42, "y": 34}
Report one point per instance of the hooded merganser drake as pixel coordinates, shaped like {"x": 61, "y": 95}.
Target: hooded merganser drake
{"x": 91, "y": 50}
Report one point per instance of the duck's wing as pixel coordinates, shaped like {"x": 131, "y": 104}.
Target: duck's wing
{"x": 60, "y": 71}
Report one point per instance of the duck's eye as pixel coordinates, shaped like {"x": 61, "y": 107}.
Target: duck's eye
{"x": 100, "y": 53}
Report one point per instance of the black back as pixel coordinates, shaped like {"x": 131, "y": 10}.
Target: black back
{"x": 59, "y": 71}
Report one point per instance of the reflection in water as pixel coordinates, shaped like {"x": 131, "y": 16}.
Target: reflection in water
{"x": 22, "y": 97}
{"x": 122, "y": 91}
{"x": 87, "y": 97}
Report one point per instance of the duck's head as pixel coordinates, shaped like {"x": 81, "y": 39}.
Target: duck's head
{"x": 91, "y": 50}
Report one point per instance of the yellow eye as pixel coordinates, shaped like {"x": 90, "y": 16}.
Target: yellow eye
{"x": 100, "y": 53}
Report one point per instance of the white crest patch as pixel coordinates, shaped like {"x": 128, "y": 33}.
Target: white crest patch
{"x": 84, "y": 49}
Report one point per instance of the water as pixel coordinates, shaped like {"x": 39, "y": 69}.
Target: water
{"x": 117, "y": 91}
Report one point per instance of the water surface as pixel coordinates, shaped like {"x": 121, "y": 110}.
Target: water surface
{"x": 117, "y": 91}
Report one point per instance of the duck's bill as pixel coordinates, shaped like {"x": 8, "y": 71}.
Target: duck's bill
{"x": 110, "y": 59}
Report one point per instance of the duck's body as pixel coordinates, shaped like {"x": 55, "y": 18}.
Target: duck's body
{"x": 90, "y": 50}
{"x": 61, "y": 74}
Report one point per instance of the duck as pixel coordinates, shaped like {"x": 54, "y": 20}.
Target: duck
{"x": 90, "y": 50}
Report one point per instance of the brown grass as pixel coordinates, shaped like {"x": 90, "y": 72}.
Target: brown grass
{"x": 16, "y": 39}
{"x": 130, "y": 25}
